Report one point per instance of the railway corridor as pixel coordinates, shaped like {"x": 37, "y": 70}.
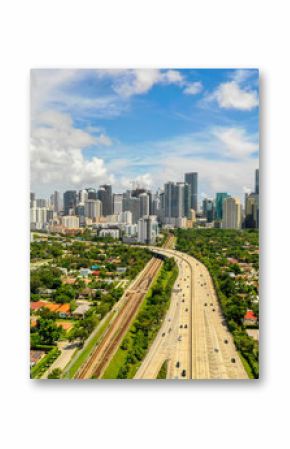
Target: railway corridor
{"x": 104, "y": 352}
{"x": 193, "y": 337}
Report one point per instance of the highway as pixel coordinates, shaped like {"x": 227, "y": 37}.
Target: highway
{"x": 193, "y": 338}
{"x": 129, "y": 305}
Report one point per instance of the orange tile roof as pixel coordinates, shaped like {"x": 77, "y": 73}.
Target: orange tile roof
{"x": 250, "y": 315}
{"x": 65, "y": 325}
{"x": 52, "y": 307}
{"x": 64, "y": 308}
{"x": 37, "y": 305}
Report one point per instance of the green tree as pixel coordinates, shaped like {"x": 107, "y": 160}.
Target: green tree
{"x": 55, "y": 374}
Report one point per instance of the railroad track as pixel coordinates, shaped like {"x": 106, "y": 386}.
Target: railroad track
{"x": 104, "y": 352}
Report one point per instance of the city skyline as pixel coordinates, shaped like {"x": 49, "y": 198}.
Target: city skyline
{"x": 91, "y": 127}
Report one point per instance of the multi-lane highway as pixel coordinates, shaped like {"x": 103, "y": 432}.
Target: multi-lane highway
{"x": 100, "y": 358}
{"x": 193, "y": 338}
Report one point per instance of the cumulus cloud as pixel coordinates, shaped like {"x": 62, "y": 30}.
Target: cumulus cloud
{"x": 193, "y": 88}
{"x": 223, "y": 157}
{"x": 57, "y": 159}
{"x": 140, "y": 81}
{"x": 144, "y": 181}
{"x": 236, "y": 142}
{"x": 231, "y": 96}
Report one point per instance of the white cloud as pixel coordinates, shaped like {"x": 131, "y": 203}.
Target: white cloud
{"x": 242, "y": 75}
{"x": 139, "y": 81}
{"x": 50, "y": 87}
{"x": 44, "y": 83}
{"x": 104, "y": 140}
{"x": 143, "y": 181}
{"x": 193, "y": 88}
{"x": 221, "y": 156}
{"x": 235, "y": 142}
{"x": 231, "y": 96}
{"x": 57, "y": 159}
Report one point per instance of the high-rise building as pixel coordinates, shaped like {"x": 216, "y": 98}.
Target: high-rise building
{"x": 93, "y": 208}
{"x": 208, "y": 209}
{"x": 80, "y": 210}
{"x": 219, "y": 199}
{"x": 38, "y": 217}
{"x": 187, "y": 199}
{"x": 147, "y": 229}
{"x": 156, "y": 206}
{"x": 251, "y": 210}
{"x": 70, "y": 221}
{"x": 40, "y": 202}
{"x": 83, "y": 196}
{"x": 257, "y": 181}
{"x": 117, "y": 203}
{"x": 126, "y": 217}
{"x": 69, "y": 202}
{"x": 92, "y": 194}
{"x": 232, "y": 217}
{"x": 192, "y": 180}
{"x": 144, "y": 204}
{"x": 169, "y": 198}
{"x": 56, "y": 201}
{"x": 32, "y": 199}
{"x": 105, "y": 195}
{"x": 177, "y": 200}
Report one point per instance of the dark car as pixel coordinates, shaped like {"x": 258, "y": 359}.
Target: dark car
{"x": 233, "y": 360}
{"x": 183, "y": 373}
{"x": 213, "y": 310}
{"x": 163, "y": 335}
{"x": 185, "y": 326}
{"x": 181, "y": 326}
{"x": 186, "y": 310}
{"x": 226, "y": 341}
{"x": 205, "y": 304}
{"x": 177, "y": 364}
{"x": 216, "y": 350}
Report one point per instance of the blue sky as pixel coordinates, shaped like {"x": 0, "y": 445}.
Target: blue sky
{"x": 144, "y": 125}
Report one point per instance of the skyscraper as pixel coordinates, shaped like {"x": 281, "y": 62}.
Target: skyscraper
{"x": 117, "y": 203}
{"x": 187, "y": 200}
{"x": 69, "y": 201}
{"x": 169, "y": 199}
{"x": 257, "y": 181}
{"x": 208, "y": 209}
{"x": 192, "y": 180}
{"x": 83, "y": 196}
{"x": 56, "y": 201}
{"x": 231, "y": 213}
{"x": 92, "y": 194}
{"x": 144, "y": 204}
{"x": 147, "y": 229}
{"x": 251, "y": 210}
{"x": 219, "y": 199}
{"x": 93, "y": 208}
{"x": 105, "y": 195}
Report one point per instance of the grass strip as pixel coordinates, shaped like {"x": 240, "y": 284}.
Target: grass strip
{"x": 39, "y": 369}
{"x": 163, "y": 371}
{"x": 87, "y": 350}
{"x": 145, "y": 327}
